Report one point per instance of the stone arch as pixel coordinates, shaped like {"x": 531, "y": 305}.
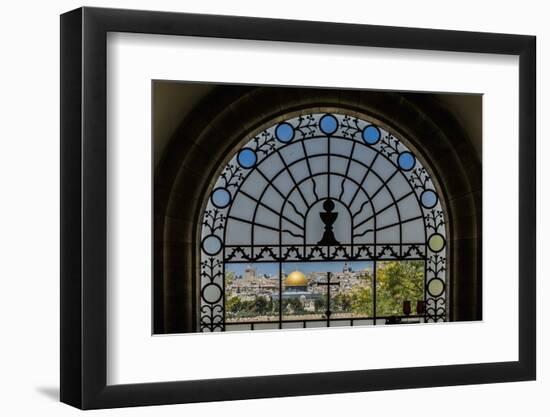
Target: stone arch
{"x": 201, "y": 147}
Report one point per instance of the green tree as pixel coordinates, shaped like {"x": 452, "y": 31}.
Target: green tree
{"x": 294, "y": 305}
{"x": 260, "y": 306}
{"x": 233, "y": 305}
{"x": 320, "y": 305}
{"x": 397, "y": 281}
{"x": 341, "y": 302}
{"x": 229, "y": 278}
{"x": 361, "y": 301}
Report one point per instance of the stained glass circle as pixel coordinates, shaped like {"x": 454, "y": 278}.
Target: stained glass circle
{"x": 406, "y": 161}
{"x": 212, "y": 244}
{"x": 284, "y": 132}
{"x": 371, "y": 134}
{"x": 212, "y": 293}
{"x": 247, "y": 158}
{"x": 436, "y": 287}
{"x": 328, "y": 124}
{"x": 436, "y": 242}
{"x": 221, "y": 197}
{"x": 428, "y": 199}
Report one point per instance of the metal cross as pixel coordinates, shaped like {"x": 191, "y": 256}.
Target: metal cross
{"x": 328, "y": 284}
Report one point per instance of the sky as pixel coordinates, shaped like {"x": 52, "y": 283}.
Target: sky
{"x": 306, "y": 267}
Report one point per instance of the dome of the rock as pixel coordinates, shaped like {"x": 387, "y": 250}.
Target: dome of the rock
{"x": 296, "y": 279}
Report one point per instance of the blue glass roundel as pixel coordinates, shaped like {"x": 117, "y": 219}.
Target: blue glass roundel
{"x": 371, "y": 134}
{"x": 247, "y": 158}
{"x": 428, "y": 199}
{"x": 221, "y": 197}
{"x": 328, "y": 124}
{"x": 284, "y": 132}
{"x": 211, "y": 245}
{"x": 406, "y": 161}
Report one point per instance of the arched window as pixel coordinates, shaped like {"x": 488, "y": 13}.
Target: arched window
{"x": 309, "y": 222}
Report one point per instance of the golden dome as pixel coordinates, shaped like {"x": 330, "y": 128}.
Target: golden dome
{"x": 296, "y": 279}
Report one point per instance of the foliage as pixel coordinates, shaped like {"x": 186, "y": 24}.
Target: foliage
{"x": 293, "y": 306}
{"x": 229, "y": 278}
{"x": 396, "y": 281}
{"x": 235, "y": 307}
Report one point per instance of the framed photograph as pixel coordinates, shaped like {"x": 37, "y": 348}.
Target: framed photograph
{"x": 258, "y": 208}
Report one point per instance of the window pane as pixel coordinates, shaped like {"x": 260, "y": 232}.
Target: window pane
{"x": 305, "y": 290}
{"x": 302, "y": 298}
{"x": 399, "y": 282}
{"x": 313, "y": 192}
{"x": 251, "y": 292}
{"x": 352, "y": 298}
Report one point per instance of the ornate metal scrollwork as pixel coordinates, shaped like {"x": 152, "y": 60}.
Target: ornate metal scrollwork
{"x": 322, "y": 187}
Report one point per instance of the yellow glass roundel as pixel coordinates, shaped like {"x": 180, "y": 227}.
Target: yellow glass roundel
{"x": 296, "y": 279}
{"x": 436, "y": 242}
{"x": 436, "y": 287}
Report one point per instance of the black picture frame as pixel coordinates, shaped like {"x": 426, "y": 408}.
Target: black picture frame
{"x": 84, "y": 209}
